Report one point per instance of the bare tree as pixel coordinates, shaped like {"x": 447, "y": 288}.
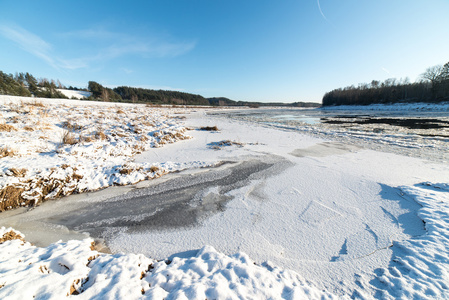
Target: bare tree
{"x": 433, "y": 74}
{"x": 105, "y": 95}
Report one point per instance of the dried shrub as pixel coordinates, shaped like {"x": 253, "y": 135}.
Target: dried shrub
{"x": 5, "y": 151}
{"x": 77, "y": 286}
{"x": 100, "y": 135}
{"x": 146, "y": 123}
{"x": 68, "y": 138}
{"x": 154, "y": 169}
{"x": 43, "y": 269}
{"x": 11, "y": 235}
{"x": 71, "y": 126}
{"x": 126, "y": 170}
{"x": 18, "y": 108}
{"x": 28, "y": 128}
{"x": 122, "y": 134}
{"x": 15, "y": 119}
{"x": 7, "y": 128}
{"x": 119, "y": 111}
{"x": 18, "y": 172}
{"x": 209, "y": 128}
{"x": 11, "y": 197}
{"x": 35, "y": 103}
{"x": 43, "y": 113}
{"x": 221, "y": 144}
{"x": 86, "y": 139}
{"x": 77, "y": 176}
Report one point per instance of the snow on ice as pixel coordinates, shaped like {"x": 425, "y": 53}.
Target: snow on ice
{"x": 318, "y": 219}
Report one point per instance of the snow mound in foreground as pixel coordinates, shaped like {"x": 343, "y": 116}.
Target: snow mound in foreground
{"x": 74, "y": 268}
{"x": 420, "y": 266}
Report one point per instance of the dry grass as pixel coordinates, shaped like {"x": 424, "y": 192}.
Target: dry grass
{"x": 119, "y": 111}
{"x": 126, "y": 170}
{"x": 71, "y": 126}
{"x": 15, "y": 119}
{"x": 9, "y": 236}
{"x": 146, "y": 123}
{"x": 7, "y": 128}
{"x": 18, "y": 108}
{"x": 35, "y": 103}
{"x": 28, "y": 128}
{"x": 43, "y": 113}
{"x": 43, "y": 269}
{"x": 11, "y": 197}
{"x": 5, "y": 151}
{"x": 18, "y": 172}
{"x": 154, "y": 169}
{"x": 68, "y": 138}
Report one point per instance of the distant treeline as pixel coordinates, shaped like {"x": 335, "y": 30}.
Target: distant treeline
{"x": 222, "y": 101}
{"x": 25, "y": 84}
{"x": 433, "y": 87}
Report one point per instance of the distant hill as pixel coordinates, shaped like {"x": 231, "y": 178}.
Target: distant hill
{"x": 139, "y": 95}
{"x": 222, "y": 101}
{"x": 25, "y": 84}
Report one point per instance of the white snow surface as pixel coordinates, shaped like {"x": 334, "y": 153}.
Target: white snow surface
{"x": 418, "y": 106}
{"x": 73, "y": 268}
{"x": 336, "y": 221}
{"x": 75, "y": 94}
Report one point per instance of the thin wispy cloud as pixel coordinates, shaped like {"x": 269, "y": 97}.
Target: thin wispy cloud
{"x": 118, "y": 44}
{"x": 321, "y": 12}
{"x": 385, "y": 70}
{"x": 29, "y": 42}
{"x": 110, "y": 45}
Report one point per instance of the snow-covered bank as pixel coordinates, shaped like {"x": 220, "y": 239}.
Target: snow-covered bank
{"x": 54, "y": 147}
{"x": 75, "y": 269}
{"x": 419, "y": 106}
{"x": 419, "y": 268}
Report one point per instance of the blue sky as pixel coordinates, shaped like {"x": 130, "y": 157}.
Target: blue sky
{"x": 262, "y": 50}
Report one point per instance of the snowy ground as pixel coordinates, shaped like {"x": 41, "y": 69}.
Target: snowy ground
{"x": 75, "y": 94}
{"x": 345, "y": 221}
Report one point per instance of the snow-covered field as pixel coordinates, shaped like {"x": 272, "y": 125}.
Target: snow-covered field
{"x": 51, "y": 148}
{"x": 75, "y": 94}
{"x": 316, "y": 218}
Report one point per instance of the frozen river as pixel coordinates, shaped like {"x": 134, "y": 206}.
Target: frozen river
{"x": 302, "y": 189}
{"x": 417, "y": 133}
